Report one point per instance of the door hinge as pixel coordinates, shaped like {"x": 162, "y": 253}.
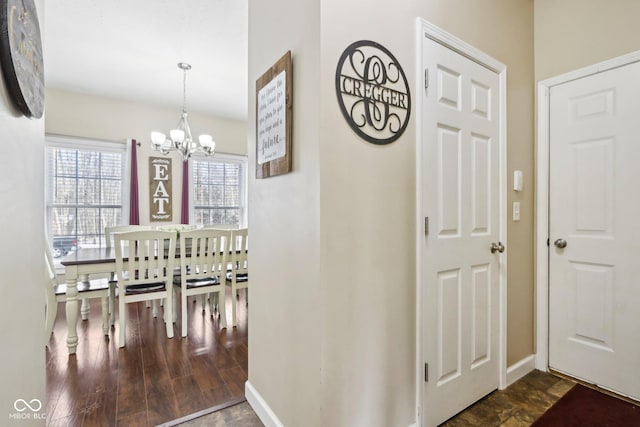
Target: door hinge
{"x": 426, "y": 78}
{"x": 426, "y": 372}
{"x": 547, "y": 241}
{"x": 426, "y": 225}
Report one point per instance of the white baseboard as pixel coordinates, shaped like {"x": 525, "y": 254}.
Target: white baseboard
{"x": 520, "y": 369}
{"x": 260, "y": 407}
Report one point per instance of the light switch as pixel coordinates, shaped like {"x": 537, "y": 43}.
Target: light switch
{"x": 516, "y": 211}
{"x": 517, "y": 180}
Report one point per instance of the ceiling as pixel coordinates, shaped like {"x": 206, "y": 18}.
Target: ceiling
{"x": 130, "y": 50}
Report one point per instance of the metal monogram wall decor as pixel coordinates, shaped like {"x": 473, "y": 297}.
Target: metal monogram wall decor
{"x": 373, "y": 92}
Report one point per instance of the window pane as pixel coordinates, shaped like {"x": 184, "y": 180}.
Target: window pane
{"x": 88, "y": 223}
{"x": 63, "y": 222}
{"x": 64, "y": 191}
{"x": 232, "y": 196}
{"x": 89, "y": 164}
{"x": 217, "y": 195}
{"x": 232, "y": 216}
{"x": 111, "y": 166}
{"x": 63, "y": 161}
{"x": 88, "y": 191}
{"x": 232, "y": 175}
{"x": 202, "y": 195}
{"x": 217, "y": 216}
{"x": 109, "y": 217}
{"x": 201, "y": 172}
{"x": 111, "y": 192}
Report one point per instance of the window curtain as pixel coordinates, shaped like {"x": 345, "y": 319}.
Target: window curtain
{"x": 134, "y": 205}
{"x": 184, "y": 211}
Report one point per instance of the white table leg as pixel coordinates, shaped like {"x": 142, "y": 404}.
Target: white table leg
{"x": 71, "y": 273}
{"x": 85, "y": 307}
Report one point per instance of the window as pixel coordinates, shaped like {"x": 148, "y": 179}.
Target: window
{"x": 84, "y": 192}
{"x": 219, "y": 190}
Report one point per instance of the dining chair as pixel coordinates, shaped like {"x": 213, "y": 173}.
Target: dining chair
{"x": 109, "y": 233}
{"x": 203, "y": 261}
{"x": 238, "y": 274}
{"x": 144, "y": 267}
{"x": 56, "y": 292}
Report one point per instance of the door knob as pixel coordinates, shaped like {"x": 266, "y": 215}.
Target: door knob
{"x": 497, "y": 247}
{"x": 560, "y": 243}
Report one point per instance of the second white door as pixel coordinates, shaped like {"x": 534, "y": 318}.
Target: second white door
{"x": 594, "y": 214}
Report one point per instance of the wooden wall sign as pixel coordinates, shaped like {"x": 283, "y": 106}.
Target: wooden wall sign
{"x": 373, "y": 92}
{"x": 273, "y": 119}
{"x": 160, "y": 195}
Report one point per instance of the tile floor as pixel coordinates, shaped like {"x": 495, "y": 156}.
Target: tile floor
{"x": 517, "y": 406}
{"x": 240, "y": 415}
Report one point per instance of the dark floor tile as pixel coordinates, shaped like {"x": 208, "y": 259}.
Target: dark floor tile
{"x": 519, "y": 405}
{"x": 560, "y": 388}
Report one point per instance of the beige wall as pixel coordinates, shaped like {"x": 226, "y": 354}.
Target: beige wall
{"x": 22, "y": 270}
{"x": 571, "y": 34}
{"x": 362, "y": 245}
{"x": 80, "y": 115}
{"x": 284, "y": 216}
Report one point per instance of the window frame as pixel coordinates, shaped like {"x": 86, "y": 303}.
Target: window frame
{"x": 85, "y": 144}
{"x": 220, "y": 158}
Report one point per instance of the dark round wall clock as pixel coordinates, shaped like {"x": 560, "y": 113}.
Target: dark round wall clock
{"x": 21, "y": 56}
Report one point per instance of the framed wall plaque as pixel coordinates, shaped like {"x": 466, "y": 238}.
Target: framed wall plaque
{"x": 21, "y": 56}
{"x": 273, "y": 119}
{"x": 160, "y": 191}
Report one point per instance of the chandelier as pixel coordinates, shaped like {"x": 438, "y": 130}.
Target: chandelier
{"x": 180, "y": 139}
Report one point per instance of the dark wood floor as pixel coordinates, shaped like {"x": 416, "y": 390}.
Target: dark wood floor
{"x": 153, "y": 379}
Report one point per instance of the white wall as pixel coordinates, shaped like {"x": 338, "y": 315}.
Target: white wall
{"x": 360, "y": 312}
{"x": 74, "y": 114}
{"x": 22, "y": 271}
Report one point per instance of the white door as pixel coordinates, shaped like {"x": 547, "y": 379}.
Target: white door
{"x": 594, "y": 208}
{"x": 461, "y": 198}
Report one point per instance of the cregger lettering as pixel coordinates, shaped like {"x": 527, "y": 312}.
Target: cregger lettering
{"x": 378, "y": 93}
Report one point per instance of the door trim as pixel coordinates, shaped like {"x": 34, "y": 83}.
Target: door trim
{"x": 541, "y": 225}
{"x": 428, "y": 30}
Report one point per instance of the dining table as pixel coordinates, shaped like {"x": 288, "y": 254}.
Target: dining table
{"x": 80, "y": 264}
